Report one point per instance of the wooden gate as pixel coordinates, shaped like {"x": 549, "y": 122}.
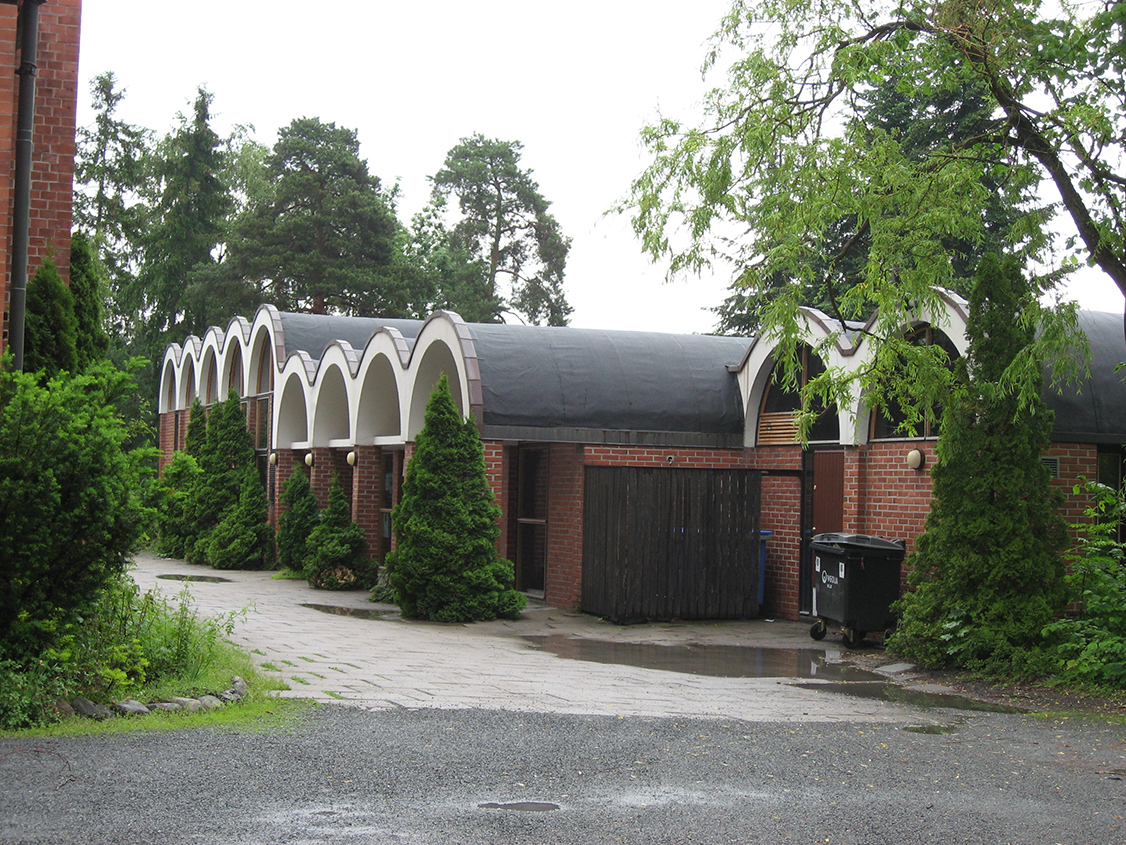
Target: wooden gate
{"x": 671, "y": 543}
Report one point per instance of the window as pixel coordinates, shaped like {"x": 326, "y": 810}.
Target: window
{"x": 885, "y": 426}
{"x": 778, "y": 420}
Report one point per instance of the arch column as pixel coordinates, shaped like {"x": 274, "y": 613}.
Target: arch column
{"x": 366, "y": 495}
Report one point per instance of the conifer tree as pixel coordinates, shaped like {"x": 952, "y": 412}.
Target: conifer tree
{"x": 176, "y": 531}
{"x": 228, "y": 451}
{"x": 296, "y": 522}
{"x": 196, "y": 438}
{"x": 987, "y": 572}
{"x": 241, "y": 539}
{"x": 445, "y": 566}
{"x": 337, "y": 550}
{"x": 51, "y": 331}
{"x": 88, "y": 284}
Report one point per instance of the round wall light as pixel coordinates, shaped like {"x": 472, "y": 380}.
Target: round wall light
{"x": 916, "y": 459}
{"x": 309, "y": 459}
{"x": 351, "y": 459}
{"x": 273, "y": 459}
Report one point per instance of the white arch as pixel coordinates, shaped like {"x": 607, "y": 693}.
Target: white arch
{"x": 436, "y": 351}
{"x": 331, "y": 399}
{"x": 380, "y": 383}
{"x": 291, "y": 409}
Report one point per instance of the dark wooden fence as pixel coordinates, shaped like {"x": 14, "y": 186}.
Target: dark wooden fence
{"x": 671, "y": 543}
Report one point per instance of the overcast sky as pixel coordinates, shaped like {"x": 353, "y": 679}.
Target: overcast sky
{"x": 573, "y": 82}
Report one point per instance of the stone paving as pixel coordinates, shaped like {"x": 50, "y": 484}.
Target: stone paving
{"x": 388, "y": 662}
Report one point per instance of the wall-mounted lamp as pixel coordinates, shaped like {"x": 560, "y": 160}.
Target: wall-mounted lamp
{"x": 273, "y": 459}
{"x": 351, "y": 459}
{"x": 670, "y": 458}
{"x": 309, "y": 459}
{"x": 916, "y": 459}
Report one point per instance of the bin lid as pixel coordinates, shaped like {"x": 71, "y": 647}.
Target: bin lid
{"x": 859, "y": 543}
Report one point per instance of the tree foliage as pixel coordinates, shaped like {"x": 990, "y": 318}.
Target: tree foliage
{"x": 175, "y": 530}
{"x": 242, "y": 538}
{"x": 69, "y": 508}
{"x": 988, "y": 572}
{"x": 784, "y": 154}
{"x": 88, "y": 285}
{"x": 50, "y": 327}
{"x": 336, "y": 551}
{"x": 445, "y": 566}
{"x": 325, "y": 237}
{"x": 505, "y": 229}
{"x": 296, "y": 522}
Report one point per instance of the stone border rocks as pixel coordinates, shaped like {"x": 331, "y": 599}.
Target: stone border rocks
{"x": 129, "y": 707}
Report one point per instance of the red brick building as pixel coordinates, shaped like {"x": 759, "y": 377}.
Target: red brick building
{"x": 52, "y": 169}
{"x": 635, "y": 470}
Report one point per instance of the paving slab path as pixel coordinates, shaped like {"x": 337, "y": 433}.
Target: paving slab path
{"x": 340, "y": 647}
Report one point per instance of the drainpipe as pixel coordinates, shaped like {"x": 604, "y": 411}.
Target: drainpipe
{"x": 21, "y": 204}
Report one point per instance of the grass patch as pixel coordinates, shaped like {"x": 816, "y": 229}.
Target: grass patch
{"x": 270, "y": 667}
{"x": 335, "y": 695}
{"x": 288, "y": 574}
{"x": 300, "y": 680}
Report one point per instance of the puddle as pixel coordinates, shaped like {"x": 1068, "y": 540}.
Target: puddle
{"x": 211, "y": 579}
{"x": 522, "y": 806}
{"x": 358, "y": 612}
{"x": 894, "y": 693}
{"x": 717, "y": 661}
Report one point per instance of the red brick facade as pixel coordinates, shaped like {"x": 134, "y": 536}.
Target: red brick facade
{"x": 56, "y": 98}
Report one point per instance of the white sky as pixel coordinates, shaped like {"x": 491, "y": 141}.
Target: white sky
{"x": 574, "y": 82}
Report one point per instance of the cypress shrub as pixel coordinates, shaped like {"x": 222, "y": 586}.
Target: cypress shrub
{"x": 228, "y": 450}
{"x": 50, "y": 327}
{"x": 176, "y": 533}
{"x": 337, "y": 550}
{"x": 241, "y": 540}
{"x": 87, "y": 286}
{"x": 296, "y": 522}
{"x": 445, "y": 566}
{"x": 988, "y": 571}
{"x": 195, "y": 441}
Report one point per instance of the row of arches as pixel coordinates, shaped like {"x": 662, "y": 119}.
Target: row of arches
{"x": 373, "y": 395}
{"x": 770, "y": 410}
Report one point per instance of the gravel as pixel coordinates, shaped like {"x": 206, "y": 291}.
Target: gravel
{"x": 477, "y": 776}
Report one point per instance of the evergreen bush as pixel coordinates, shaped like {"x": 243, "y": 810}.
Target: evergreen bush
{"x": 69, "y": 509}
{"x": 87, "y": 287}
{"x": 445, "y": 566}
{"x": 50, "y": 327}
{"x": 296, "y": 522}
{"x": 987, "y": 572}
{"x": 195, "y": 440}
{"x": 241, "y": 540}
{"x": 227, "y": 451}
{"x": 176, "y": 533}
{"x": 337, "y": 549}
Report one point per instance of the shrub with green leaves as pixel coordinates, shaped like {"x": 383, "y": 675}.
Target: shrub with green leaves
{"x": 988, "y": 571}
{"x": 69, "y": 508}
{"x": 445, "y": 566}
{"x": 227, "y": 450}
{"x": 50, "y": 327}
{"x": 296, "y": 522}
{"x": 176, "y": 533}
{"x": 241, "y": 540}
{"x": 336, "y": 556}
{"x": 1091, "y": 643}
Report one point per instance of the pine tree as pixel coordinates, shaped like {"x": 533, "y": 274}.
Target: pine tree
{"x": 337, "y": 550}
{"x": 50, "y": 329}
{"x": 88, "y": 285}
{"x": 987, "y": 572}
{"x": 296, "y": 522}
{"x": 241, "y": 539}
{"x": 446, "y": 566}
{"x": 196, "y": 438}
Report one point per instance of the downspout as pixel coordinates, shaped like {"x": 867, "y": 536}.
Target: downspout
{"x": 21, "y": 202}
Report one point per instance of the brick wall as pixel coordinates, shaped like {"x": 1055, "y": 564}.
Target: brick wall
{"x": 367, "y": 486}
{"x": 564, "y": 570}
{"x": 56, "y": 97}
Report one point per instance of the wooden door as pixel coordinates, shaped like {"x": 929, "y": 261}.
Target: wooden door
{"x": 825, "y": 503}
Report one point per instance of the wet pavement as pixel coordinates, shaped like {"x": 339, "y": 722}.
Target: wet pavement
{"x": 339, "y": 647}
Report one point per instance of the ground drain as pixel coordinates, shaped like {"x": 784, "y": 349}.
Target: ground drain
{"x": 212, "y": 579}
{"x": 521, "y": 806}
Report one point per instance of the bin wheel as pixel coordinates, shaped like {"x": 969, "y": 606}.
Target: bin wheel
{"x": 852, "y": 637}
{"x": 887, "y": 634}
{"x": 817, "y": 629}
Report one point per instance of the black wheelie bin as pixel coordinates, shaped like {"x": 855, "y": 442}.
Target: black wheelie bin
{"x": 855, "y": 581}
